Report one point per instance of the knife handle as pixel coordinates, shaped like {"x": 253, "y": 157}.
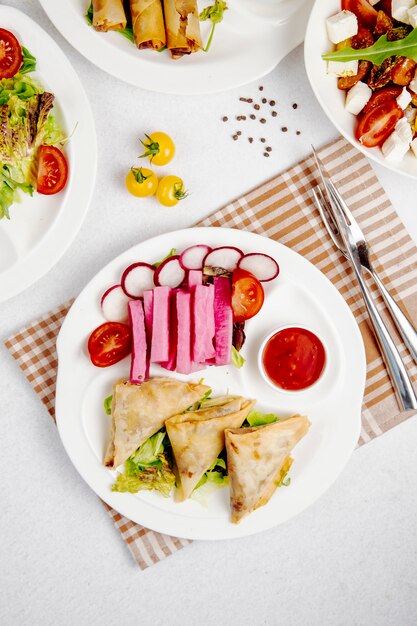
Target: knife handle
{"x": 401, "y": 381}
{"x": 403, "y": 324}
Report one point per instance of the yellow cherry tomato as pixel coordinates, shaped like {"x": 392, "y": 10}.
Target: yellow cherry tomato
{"x": 170, "y": 190}
{"x": 141, "y": 182}
{"x": 159, "y": 148}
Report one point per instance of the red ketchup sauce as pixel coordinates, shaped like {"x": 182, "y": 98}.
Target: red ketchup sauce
{"x": 293, "y": 358}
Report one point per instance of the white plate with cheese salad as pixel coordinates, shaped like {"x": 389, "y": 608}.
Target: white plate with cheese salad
{"x": 361, "y": 60}
{"x": 175, "y": 427}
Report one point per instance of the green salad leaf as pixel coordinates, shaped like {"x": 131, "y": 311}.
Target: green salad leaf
{"x": 28, "y": 62}
{"x": 381, "y": 50}
{"x": 9, "y": 189}
{"x": 237, "y": 359}
{"x": 107, "y": 404}
{"x": 52, "y": 133}
{"x": 126, "y": 32}
{"x": 89, "y": 15}
{"x": 148, "y": 468}
{"x": 197, "y": 406}
{"x": 257, "y": 418}
{"x": 215, "y": 478}
{"x": 214, "y": 13}
{"x": 171, "y": 253}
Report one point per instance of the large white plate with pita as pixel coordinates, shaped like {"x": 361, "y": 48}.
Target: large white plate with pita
{"x": 301, "y": 295}
{"x": 244, "y": 48}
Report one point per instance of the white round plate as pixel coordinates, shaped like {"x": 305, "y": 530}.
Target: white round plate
{"x": 244, "y": 48}
{"x": 41, "y": 228}
{"x": 330, "y": 97}
{"x": 301, "y": 295}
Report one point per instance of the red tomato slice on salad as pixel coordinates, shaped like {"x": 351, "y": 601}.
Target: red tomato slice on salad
{"x": 10, "y": 54}
{"x": 380, "y": 96}
{"x": 365, "y": 12}
{"x": 52, "y": 170}
{"x": 247, "y": 295}
{"x": 378, "y": 123}
{"x": 109, "y": 343}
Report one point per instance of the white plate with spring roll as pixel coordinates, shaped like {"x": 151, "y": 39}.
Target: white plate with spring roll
{"x": 318, "y": 427}
{"x": 246, "y": 44}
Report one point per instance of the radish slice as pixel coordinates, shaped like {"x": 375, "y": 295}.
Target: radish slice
{"x": 114, "y": 304}
{"x": 226, "y": 257}
{"x": 137, "y": 278}
{"x": 262, "y": 266}
{"x": 192, "y": 258}
{"x": 170, "y": 273}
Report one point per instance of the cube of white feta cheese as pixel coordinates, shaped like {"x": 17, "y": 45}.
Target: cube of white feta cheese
{"x": 350, "y": 68}
{"x": 394, "y": 148}
{"x": 399, "y": 10}
{"x": 357, "y": 97}
{"x": 373, "y": 2}
{"x": 404, "y": 98}
{"x": 412, "y": 16}
{"x": 413, "y": 146}
{"x": 413, "y": 84}
{"x": 342, "y": 26}
{"x": 403, "y": 129}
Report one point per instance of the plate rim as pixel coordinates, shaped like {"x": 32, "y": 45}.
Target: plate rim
{"x": 67, "y": 232}
{"x": 190, "y": 532}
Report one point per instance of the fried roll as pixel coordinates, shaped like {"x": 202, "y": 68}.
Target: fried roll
{"x": 109, "y": 15}
{"x": 148, "y": 23}
{"x": 182, "y": 27}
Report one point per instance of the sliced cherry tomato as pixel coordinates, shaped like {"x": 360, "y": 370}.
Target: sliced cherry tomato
{"x": 109, "y": 343}
{"x": 363, "y": 39}
{"x": 52, "y": 170}
{"x": 403, "y": 71}
{"x": 380, "y": 96}
{"x": 10, "y": 54}
{"x": 247, "y": 295}
{"x": 379, "y": 122}
{"x": 365, "y": 13}
{"x": 347, "y": 82}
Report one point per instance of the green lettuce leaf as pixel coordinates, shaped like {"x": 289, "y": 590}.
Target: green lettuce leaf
{"x": 214, "y": 478}
{"x": 214, "y": 13}
{"x": 126, "y": 32}
{"x": 171, "y": 253}
{"x": 107, "y": 404}
{"x": 237, "y": 359}
{"x": 52, "y": 133}
{"x": 257, "y": 418}
{"x": 381, "y": 50}
{"x": 9, "y": 191}
{"x": 28, "y": 62}
{"x": 197, "y": 405}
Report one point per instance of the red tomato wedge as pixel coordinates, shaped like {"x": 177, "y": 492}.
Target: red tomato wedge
{"x": 380, "y": 96}
{"x": 52, "y": 170}
{"x": 378, "y": 123}
{"x": 247, "y": 295}
{"x": 10, "y": 54}
{"x": 365, "y": 12}
{"x": 109, "y": 343}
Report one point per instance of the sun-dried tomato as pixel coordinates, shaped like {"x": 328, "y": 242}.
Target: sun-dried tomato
{"x": 400, "y": 32}
{"x": 380, "y": 75}
{"x": 403, "y": 71}
{"x": 347, "y": 82}
{"x": 383, "y": 24}
{"x": 363, "y": 39}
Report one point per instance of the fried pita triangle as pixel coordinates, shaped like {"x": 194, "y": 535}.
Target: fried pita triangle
{"x": 255, "y": 460}
{"x": 139, "y": 411}
{"x": 197, "y": 438}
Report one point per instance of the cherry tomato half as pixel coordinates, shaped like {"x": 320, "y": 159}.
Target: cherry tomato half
{"x": 141, "y": 182}
{"x": 363, "y": 10}
{"x": 10, "y": 54}
{"x": 159, "y": 148}
{"x": 109, "y": 343}
{"x": 380, "y": 96}
{"x": 247, "y": 295}
{"x": 52, "y": 170}
{"x": 378, "y": 123}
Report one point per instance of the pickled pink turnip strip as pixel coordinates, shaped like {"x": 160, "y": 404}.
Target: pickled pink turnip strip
{"x": 183, "y": 302}
{"x": 139, "y": 368}
{"x": 148, "y": 309}
{"x": 161, "y": 324}
{"x": 223, "y": 319}
{"x": 195, "y": 277}
{"x": 173, "y": 332}
{"x": 203, "y": 324}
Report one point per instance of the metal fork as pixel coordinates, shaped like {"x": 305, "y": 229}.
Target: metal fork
{"x": 330, "y": 202}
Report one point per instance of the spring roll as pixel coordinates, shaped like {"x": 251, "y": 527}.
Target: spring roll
{"x": 182, "y": 27}
{"x": 148, "y": 23}
{"x": 109, "y": 15}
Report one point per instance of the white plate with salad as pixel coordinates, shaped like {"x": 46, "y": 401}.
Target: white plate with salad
{"x": 47, "y": 153}
{"x": 261, "y": 290}
{"x": 242, "y": 47}
{"x": 367, "y": 86}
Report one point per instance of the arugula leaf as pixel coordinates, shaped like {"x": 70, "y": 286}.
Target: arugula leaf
{"x": 107, "y": 404}
{"x": 381, "y": 50}
{"x": 28, "y": 62}
{"x": 237, "y": 359}
{"x": 214, "y": 13}
{"x": 171, "y": 253}
{"x": 257, "y": 418}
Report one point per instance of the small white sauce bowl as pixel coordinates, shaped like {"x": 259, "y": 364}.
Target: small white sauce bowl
{"x": 265, "y": 375}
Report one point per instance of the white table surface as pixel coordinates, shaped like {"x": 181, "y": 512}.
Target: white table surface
{"x": 350, "y": 559}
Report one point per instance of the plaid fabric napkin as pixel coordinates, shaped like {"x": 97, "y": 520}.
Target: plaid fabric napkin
{"x": 281, "y": 209}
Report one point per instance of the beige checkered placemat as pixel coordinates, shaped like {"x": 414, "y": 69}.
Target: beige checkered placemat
{"x": 281, "y": 209}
